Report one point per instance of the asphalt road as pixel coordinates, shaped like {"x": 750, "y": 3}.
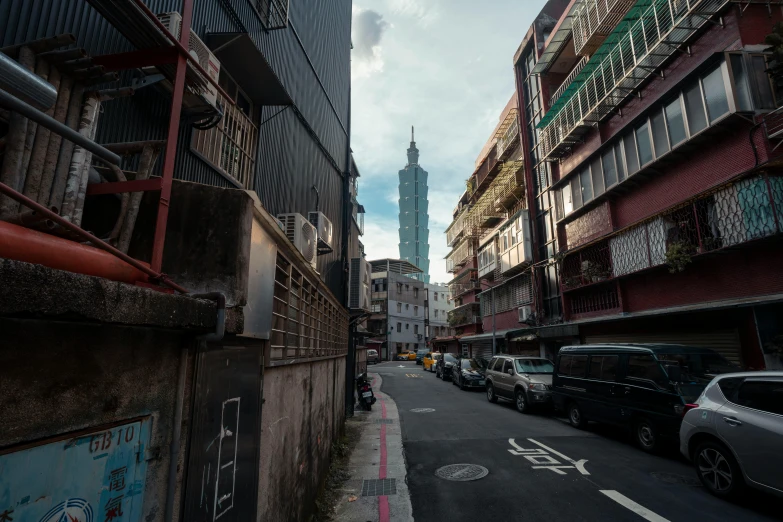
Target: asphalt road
{"x": 601, "y": 475}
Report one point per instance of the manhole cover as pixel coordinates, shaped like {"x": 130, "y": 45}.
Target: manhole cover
{"x": 462, "y": 472}
{"x": 673, "y": 478}
{"x": 422, "y": 410}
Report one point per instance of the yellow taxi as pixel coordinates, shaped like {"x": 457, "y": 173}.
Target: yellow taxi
{"x": 406, "y": 356}
{"x": 430, "y": 360}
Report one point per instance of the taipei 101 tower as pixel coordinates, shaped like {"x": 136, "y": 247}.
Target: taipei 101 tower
{"x": 414, "y": 220}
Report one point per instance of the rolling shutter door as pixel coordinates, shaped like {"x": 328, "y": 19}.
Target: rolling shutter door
{"x": 725, "y": 342}
{"x": 482, "y": 349}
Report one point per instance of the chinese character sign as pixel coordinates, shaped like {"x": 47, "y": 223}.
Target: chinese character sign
{"x": 92, "y": 477}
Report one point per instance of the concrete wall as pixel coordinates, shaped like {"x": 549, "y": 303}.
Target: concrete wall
{"x": 303, "y": 413}
{"x": 56, "y": 378}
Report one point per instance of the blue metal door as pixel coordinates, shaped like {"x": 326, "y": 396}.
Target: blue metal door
{"x": 92, "y": 476}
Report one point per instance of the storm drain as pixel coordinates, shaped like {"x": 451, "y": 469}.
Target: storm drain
{"x": 673, "y": 478}
{"x": 377, "y": 487}
{"x": 384, "y": 421}
{"x": 422, "y": 410}
{"x": 462, "y": 472}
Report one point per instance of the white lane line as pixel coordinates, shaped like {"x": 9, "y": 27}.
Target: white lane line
{"x": 633, "y": 506}
{"x": 569, "y": 459}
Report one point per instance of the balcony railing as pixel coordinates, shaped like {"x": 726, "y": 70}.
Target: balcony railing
{"x": 461, "y": 254}
{"x": 595, "y": 20}
{"x": 742, "y": 211}
{"x": 455, "y": 231}
{"x": 569, "y": 80}
{"x": 466, "y": 314}
{"x": 507, "y": 135}
{"x": 651, "y": 32}
{"x": 231, "y": 145}
{"x": 459, "y": 289}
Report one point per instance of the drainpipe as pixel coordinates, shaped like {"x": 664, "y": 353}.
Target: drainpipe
{"x": 202, "y": 340}
{"x": 350, "y": 359}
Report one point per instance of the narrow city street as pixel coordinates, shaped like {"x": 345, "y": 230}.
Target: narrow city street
{"x": 539, "y": 467}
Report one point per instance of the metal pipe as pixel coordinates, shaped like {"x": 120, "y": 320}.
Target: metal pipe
{"x": 26, "y": 86}
{"x": 11, "y": 170}
{"x": 42, "y": 72}
{"x": 66, "y": 56}
{"x": 14, "y": 104}
{"x": 83, "y": 234}
{"x": 31, "y": 246}
{"x": 60, "y": 175}
{"x": 41, "y": 46}
{"x": 32, "y": 184}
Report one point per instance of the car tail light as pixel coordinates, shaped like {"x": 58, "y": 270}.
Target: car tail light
{"x": 682, "y": 410}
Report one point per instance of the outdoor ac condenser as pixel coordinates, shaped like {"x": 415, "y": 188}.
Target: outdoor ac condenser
{"x": 197, "y": 48}
{"x": 524, "y": 313}
{"x": 325, "y": 231}
{"x": 359, "y": 284}
{"x": 302, "y": 234}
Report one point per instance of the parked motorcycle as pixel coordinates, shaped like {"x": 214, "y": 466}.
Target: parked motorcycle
{"x": 364, "y": 391}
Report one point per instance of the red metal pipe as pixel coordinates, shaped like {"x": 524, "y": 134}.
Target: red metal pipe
{"x": 153, "y": 275}
{"x": 23, "y": 244}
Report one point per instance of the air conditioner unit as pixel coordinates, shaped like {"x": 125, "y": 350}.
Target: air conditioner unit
{"x": 524, "y": 313}
{"x": 325, "y": 231}
{"x": 359, "y": 284}
{"x": 280, "y": 224}
{"x": 302, "y": 234}
{"x": 197, "y": 48}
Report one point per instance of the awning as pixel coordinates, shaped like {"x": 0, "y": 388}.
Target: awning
{"x": 247, "y": 65}
{"x": 484, "y": 336}
{"x": 375, "y": 341}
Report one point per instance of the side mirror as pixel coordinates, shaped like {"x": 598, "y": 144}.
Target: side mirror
{"x": 510, "y": 372}
{"x": 674, "y": 371}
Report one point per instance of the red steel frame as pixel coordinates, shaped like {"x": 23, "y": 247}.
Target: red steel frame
{"x": 176, "y": 53}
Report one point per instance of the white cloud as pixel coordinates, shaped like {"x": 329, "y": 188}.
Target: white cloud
{"x": 366, "y": 33}
{"x": 425, "y": 12}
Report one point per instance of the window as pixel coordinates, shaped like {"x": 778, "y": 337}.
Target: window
{"x": 694, "y": 109}
{"x": 598, "y": 176}
{"x": 415, "y": 310}
{"x": 506, "y": 365}
{"x": 645, "y": 367}
{"x": 741, "y": 82}
{"x": 399, "y": 307}
{"x": 399, "y": 287}
{"x": 407, "y": 326}
{"x": 643, "y": 142}
{"x": 576, "y": 192}
{"x": 568, "y": 202}
{"x": 766, "y": 99}
{"x": 416, "y": 329}
{"x": 603, "y": 367}
{"x": 715, "y": 94}
{"x": 436, "y": 312}
{"x": 610, "y": 172}
{"x": 399, "y": 327}
{"x": 407, "y": 288}
{"x": 729, "y": 385}
{"x": 631, "y": 156}
{"x": 573, "y": 365}
{"x": 660, "y": 135}
{"x": 586, "y": 185}
{"x": 761, "y": 395}
{"x": 675, "y": 122}
{"x": 618, "y": 156}
{"x": 436, "y": 297}
{"x": 407, "y": 306}
{"x": 415, "y": 292}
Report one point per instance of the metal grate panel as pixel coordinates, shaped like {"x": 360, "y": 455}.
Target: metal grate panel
{"x": 377, "y": 487}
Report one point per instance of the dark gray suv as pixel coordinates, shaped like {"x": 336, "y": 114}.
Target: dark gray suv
{"x": 525, "y": 380}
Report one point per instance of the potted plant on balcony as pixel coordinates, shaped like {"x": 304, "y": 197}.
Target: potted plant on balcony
{"x": 593, "y": 272}
{"x": 678, "y": 256}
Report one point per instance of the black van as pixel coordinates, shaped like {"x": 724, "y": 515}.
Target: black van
{"x": 644, "y": 387}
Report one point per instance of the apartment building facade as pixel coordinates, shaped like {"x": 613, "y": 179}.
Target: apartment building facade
{"x": 399, "y": 307}
{"x": 650, "y": 131}
{"x": 438, "y": 308}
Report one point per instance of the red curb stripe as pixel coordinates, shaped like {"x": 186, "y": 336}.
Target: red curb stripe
{"x": 383, "y": 500}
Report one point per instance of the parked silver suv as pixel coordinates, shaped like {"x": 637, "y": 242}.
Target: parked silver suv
{"x": 525, "y": 380}
{"x": 733, "y": 433}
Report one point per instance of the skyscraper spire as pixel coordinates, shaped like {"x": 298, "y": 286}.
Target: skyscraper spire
{"x": 413, "y": 152}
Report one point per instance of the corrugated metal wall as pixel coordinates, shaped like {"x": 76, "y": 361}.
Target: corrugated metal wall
{"x": 290, "y": 161}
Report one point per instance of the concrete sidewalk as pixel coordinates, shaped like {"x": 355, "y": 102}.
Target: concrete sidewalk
{"x": 377, "y": 489}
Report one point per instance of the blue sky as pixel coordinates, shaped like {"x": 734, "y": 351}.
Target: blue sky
{"x": 444, "y": 66}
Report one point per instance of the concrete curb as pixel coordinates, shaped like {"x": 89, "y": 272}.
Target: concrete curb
{"x": 378, "y": 454}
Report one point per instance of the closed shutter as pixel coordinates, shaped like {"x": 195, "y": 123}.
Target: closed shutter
{"x": 725, "y": 342}
{"x": 482, "y": 349}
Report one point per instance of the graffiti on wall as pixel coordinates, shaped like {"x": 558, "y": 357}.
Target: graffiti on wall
{"x": 98, "y": 476}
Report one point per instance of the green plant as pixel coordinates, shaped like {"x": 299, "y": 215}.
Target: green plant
{"x": 678, "y": 256}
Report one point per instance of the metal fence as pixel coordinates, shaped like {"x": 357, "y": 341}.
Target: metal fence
{"x": 594, "y": 20}
{"x": 735, "y": 213}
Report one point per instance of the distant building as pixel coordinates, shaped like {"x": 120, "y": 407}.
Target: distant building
{"x": 414, "y": 220}
{"x": 398, "y": 307}
{"x": 438, "y": 307}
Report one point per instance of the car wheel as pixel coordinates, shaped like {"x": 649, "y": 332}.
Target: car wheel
{"x": 491, "y": 397}
{"x": 646, "y": 435}
{"x": 718, "y": 470}
{"x": 575, "y": 416}
{"x": 521, "y": 401}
